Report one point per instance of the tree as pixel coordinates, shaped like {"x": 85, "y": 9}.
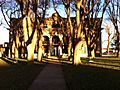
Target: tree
{"x": 30, "y": 32}
{"x": 43, "y": 5}
{"x": 10, "y": 9}
{"x": 78, "y": 24}
{"x": 89, "y": 23}
{"x": 108, "y": 28}
{"x": 87, "y": 13}
{"x": 114, "y": 42}
{"x": 114, "y": 15}
{"x": 92, "y": 30}
{"x": 69, "y": 26}
{"x": 33, "y": 17}
{"x": 1, "y": 3}
{"x": 70, "y": 30}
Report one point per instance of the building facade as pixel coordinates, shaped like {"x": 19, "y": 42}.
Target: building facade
{"x": 55, "y": 35}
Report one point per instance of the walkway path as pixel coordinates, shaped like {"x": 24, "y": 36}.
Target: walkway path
{"x": 50, "y": 78}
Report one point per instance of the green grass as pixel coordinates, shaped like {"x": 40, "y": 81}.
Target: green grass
{"x": 18, "y": 76}
{"x": 91, "y": 78}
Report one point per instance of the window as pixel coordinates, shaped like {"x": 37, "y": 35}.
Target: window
{"x": 55, "y": 26}
{"x": 55, "y": 40}
{"x": 46, "y": 40}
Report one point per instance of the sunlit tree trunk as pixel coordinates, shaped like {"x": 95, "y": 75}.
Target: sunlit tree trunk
{"x": 16, "y": 52}
{"x": 77, "y": 59}
{"x": 69, "y": 49}
{"x": 30, "y": 49}
{"x": 25, "y": 29}
{"x": 31, "y": 46}
{"x": 40, "y": 50}
{"x": 71, "y": 33}
{"x": 40, "y": 47}
{"x": 29, "y": 27}
{"x": 93, "y": 53}
{"x": 108, "y": 45}
{"x": 77, "y": 52}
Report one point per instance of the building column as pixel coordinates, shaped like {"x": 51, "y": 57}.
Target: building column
{"x": 50, "y": 46}
{"x": 61, "y": 45}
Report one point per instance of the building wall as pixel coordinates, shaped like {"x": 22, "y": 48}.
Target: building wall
{"x": 55, "y": 37}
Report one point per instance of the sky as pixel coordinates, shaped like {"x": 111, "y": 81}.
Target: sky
{"x": 4, "y": 33}
{"x": 105, "y": 35}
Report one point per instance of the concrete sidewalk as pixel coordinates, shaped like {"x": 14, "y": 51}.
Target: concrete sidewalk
{"x": 50, "y": 78}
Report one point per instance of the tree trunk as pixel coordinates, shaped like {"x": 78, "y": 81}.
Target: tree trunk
{"x": 71, "y": 34}
{"x": 69, "y": 49}
{"x": 31, "y": 47}
{"x": 78, "y": 2}
{"x": 25, "y": 29}
{"x": 77, "y": 59}
{"x": 118, "y": 44}
{"x": 16, "y": 52}
{"x": 16, "y": 45}
{"x": 93, "y": 53}
{"x": 29, "y": 28}
{"x": 108, "y": 46}
{"x": 40, "y": 50}
{"x": 89, "y": 51}
{"x": 28, "y": 31}
{"x": 77, "y": 52}
{"x": 30, "y": 54}
{"x": 69, "y": 27}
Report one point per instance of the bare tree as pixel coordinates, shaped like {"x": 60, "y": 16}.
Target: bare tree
{"x": 27, "y": 26}
{"x": 43, "y": 5}
{"x": 2, "y": 2}
{"x": 89, "y": 23}
{"x": 87, "y": 12}
{"x": 114, "y": 15}
{"x": 108, "y": 28}
{"x": 92, "y": 23}
{"x": 9, "y": 10}
{"x": 69, "y": 26}
{"x": 32, "y": 18}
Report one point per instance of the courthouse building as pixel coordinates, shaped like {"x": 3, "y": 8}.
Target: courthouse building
{"x": 55, "y": 32}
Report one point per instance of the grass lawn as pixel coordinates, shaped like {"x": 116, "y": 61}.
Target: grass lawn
{"x": 91, "y": 78}
{"x": 18, "y": 76}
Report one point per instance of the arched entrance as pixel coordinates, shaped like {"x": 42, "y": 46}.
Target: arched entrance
{"x": 56, "y": 49}
{"x": 46, "y": 45}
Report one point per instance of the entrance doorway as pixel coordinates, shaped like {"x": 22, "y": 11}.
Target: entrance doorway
{"x": 56, "y": 50}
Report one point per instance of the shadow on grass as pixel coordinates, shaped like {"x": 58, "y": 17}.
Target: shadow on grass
{"x": 91, "y": 78}
{"x": 18, "y": 76}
